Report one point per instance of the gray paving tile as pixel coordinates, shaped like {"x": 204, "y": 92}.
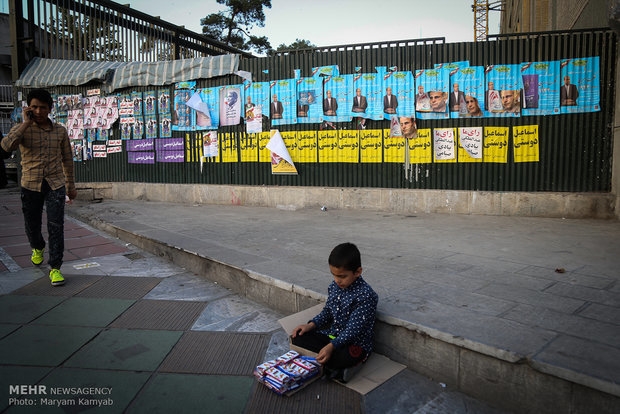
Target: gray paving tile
{"x": 17, "y": 375}
{"x": 531, "y": 297}
{"x": 187, "y": 286}
{"x": 85, "y": 312}
{"x": 43, "y": 345}
{"x": 574, "y": 325}
{"x": 118, "y": 389}
{"x": 490, "y": 335}
{"x": 577, "y": 359}
{"x": 170, "y": 315}
{"x": 193, "y": 394}
{"x": 22, "y": 309}
{"x": 233, "y": 313}
{"x": 599, "y": 296}
{"x": 601, "y": 313}
{"x": 124, "y": 349}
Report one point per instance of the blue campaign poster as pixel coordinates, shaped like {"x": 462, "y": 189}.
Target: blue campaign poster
{"x": 541, "y": 88}
{"x": 452, "y": 66}
{"x": 183, "y": 117}
{"x": 431, "y": 99}
{"x": 150, "y": 102}
{"x": 283, "y": 106}
{"x": 136, "y": 97}
{"x": 580, "y": 90}
{"x": 398, "y": 98}
{"x": 503, "y": 91}
{"x": 256, "y": 94}
{"x": 338, "y": 98}
{"x": 309, "y": 100}
{"x": 325, "y": 71}
{"x": 467, "y": 95}
{"x": 367, "y": 96}
{"x": 209, "y": 98}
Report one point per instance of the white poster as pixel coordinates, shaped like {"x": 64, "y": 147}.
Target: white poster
{"x": 230, "y": 105}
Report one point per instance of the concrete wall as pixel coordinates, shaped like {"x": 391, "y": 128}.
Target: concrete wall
{"x": 403, "y": 201}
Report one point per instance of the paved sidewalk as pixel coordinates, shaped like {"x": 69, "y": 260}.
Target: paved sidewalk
{"x": 148, "y": 336}
{"x": 538, "y": 291}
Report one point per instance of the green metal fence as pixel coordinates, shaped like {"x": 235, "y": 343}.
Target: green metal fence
{"x": 575, "y": 149}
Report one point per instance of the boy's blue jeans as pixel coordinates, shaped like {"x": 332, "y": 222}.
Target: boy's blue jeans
{"x": 345, "y": 357}
{"x": 32, "y": 207}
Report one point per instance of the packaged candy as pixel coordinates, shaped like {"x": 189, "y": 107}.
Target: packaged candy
{"x": 287, "y": 373}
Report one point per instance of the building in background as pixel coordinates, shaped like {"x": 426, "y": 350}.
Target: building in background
{"x": 520, "y": 16}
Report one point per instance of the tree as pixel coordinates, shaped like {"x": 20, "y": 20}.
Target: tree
{"x": 233, "y": 25}
{"x": 298, "y": 44}
{"x": 92, "y": 38}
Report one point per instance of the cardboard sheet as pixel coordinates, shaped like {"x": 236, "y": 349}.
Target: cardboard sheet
{"x": 374, "y": 372}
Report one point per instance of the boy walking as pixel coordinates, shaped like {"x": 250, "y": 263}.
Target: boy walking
{"x": 47, "y": 176}
{"x": 342, "y": 334}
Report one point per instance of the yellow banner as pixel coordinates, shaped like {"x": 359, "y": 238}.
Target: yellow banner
{"x": 470, "y": 144}
{"x": 264, "y": 155}
{"x": 349, "y": 146}
{"x": 525, "y": 141}
{"x": 421, "y": 148}
{"x": 307, "y": 145}
{"x": 393, "y": 147}
{"x": 290, "y": 140}
{"x": 248, "y": 146}
{"x": 371, "y": 145}
{"x": 228, "y": 144}
{"x": 495, "y": 145}
{"x": 328, "y": 146}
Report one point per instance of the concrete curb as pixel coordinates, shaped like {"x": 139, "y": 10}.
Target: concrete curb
{"x": 501, "y": 377}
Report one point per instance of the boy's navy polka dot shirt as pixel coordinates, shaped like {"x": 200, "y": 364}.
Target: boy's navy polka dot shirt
{"x": 349, "y": 315}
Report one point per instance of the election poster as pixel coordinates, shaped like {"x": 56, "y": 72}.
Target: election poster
{"x": 432, "y": 87}
{"x": 281, "y": 161}
{"x": 399, "y": 95}
{"x": 470, "y": 144}
{"x": 580, "y": 90}
{"x": 444, "y": 144}
{"x": 503, "y": 92}
{"x": 183, "y": 116}
{"x": 309, "y": 100}
{"x": 421, "y": 147}
{"x": 230, "y": 105}
{"x": 367, "y": 98}
{"x": 467, "y": 94}
{"x": 283, "y": 106}
{"x": 525, "y": 143}
{"x": 541, "y": 88}
{"x": 338, "y": 98}
{"x": 495, "y": 144}
{"x": 325, "y": 71}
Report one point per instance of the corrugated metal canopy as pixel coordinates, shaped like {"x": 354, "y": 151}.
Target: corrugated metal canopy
{"x": 42, "y": 73}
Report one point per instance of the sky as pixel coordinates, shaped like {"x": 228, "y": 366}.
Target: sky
{"x": 338, "y": 22}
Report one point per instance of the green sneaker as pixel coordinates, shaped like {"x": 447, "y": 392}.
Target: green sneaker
{"x": 56, "y": 277}
{"x": 37, "y": 256}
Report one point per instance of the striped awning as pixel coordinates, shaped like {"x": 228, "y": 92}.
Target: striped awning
{"x": 44, "y": 73}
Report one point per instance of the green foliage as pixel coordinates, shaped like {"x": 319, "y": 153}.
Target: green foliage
{"x": 233, "y": 25}
{"x": 298, "y": 44}
{"x": 92, "y": 38}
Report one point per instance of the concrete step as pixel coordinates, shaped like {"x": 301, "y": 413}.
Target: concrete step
{"x": 504, "y": 377}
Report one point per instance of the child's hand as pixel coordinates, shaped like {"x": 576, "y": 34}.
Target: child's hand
{"x": 302, "y": 329}
{"x": 325, "y": 354}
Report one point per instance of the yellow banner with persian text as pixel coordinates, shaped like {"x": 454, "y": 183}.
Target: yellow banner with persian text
{"x": 421, "y": 148}
{"x": 371, "y": 146}
{"x": 525, "y": 142}
{"x": 495, "y": 144}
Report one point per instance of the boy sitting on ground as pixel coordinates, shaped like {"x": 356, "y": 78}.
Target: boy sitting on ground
{"x": 342, "y": 334}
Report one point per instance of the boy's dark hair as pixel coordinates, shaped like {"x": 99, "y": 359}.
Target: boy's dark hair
{"x": 345, "y": 256}
{"x": 42, "y": 95}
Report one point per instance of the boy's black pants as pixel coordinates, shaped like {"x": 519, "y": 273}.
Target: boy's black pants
{"x": 344, "y": 357}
